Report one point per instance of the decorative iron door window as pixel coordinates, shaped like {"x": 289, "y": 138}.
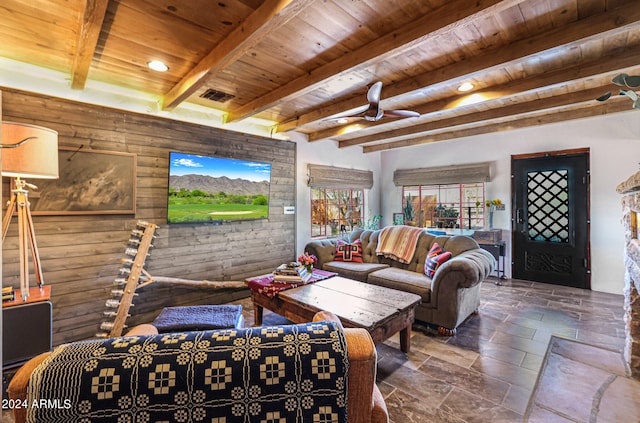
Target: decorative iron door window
{"x": 548, "y": 205}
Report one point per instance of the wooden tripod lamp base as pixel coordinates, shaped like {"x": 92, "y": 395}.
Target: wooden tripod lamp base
{"x": 29, "y": 151}
{"x": 19, "y": 203}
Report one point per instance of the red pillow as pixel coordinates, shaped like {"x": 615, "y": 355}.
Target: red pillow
{"x": 349, "y": 252}
{"x": 435, "y": 258}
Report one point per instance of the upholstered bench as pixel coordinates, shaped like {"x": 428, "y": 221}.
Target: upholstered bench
{"x": 195, "y": 318}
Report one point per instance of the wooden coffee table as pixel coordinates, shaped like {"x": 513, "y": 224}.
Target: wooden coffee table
{"x": 381, "y": 311}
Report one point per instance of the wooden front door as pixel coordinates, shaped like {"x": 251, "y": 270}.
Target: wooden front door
{"x": 550, "y": 218}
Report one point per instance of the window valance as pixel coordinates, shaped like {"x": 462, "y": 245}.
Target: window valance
{"x": 443, "y": 175}
{"x": 319, "y": 176}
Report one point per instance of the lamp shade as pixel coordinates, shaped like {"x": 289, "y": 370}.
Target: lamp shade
{"x": 36, "y": 158}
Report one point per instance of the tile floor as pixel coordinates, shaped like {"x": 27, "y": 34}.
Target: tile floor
{"x": 579, "y": 382}
{"x": 488, "y": 371}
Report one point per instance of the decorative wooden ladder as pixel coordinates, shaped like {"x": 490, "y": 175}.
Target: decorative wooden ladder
{"x": 137, "y": 252}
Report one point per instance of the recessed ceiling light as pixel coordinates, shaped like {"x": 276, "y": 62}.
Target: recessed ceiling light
{"x": 467, "y": 86}
{"x": 342, "y": 121}
{"x": 157, "y": 65}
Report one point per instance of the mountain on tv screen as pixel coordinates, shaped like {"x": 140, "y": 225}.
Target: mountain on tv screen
{"x": 216, "y": 189}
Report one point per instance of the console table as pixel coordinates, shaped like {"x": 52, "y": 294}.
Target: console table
{"x": 497, "y": 250}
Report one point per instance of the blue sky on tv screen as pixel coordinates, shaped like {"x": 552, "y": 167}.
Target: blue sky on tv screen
{"x": 187, "y": 164}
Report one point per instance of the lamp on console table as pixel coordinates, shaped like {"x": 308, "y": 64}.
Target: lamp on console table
{"x": 29, "y": 151}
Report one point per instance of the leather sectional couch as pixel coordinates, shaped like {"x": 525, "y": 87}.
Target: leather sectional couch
{"x": 448, "y": 298}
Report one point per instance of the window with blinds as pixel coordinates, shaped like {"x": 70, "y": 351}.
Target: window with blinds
{"x": 337, "y": 198}
{"x": 445, "y": 196}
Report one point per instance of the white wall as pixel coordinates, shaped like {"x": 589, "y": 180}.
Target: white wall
{"x": 614, "y": 142}
{"x": 327, "y": 153}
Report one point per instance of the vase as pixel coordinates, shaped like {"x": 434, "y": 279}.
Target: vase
{"x": 309, "y": 268}
{"x": 488, "y": 223}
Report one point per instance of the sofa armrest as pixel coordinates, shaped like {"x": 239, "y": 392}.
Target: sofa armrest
{"x": 380, "y": 414}
{"x": 143, "y": 329}
{"x": 366, "y": 403}
{"x": 323, "y": 249}
{"x": 328, "y": 316}
{"x": 465, "y": 270}
{"x": 362, "y": 375}
{"x": 17, "y": 389}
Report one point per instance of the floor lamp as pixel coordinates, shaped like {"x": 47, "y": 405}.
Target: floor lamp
{"x": 28, "y": 151}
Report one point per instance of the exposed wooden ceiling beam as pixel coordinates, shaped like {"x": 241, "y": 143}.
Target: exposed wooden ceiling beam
{"x": 491, "y": 115}
{"x": 88, "y": 34}
{"x": 442, "y": 20}
{"x": 620, "y": 63}
{"x": 615, "y": 21}
{"x": 271, "y": 15}
{"x": 540, "y": 117}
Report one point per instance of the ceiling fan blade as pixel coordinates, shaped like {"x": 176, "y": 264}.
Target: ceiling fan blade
{"x": 373, "y": 95}
{"x": 359, "y": 113}
{"x": 370, "y": 112}
{"x": 401, "y": 113}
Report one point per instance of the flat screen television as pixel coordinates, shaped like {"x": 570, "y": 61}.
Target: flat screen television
{"x": 216, "y": 189}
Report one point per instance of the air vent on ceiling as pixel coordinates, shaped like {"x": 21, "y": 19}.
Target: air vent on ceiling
{"x": 216, "y": 95}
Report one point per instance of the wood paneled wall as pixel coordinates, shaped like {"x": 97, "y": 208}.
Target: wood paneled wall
{"x": 80, "y": 254}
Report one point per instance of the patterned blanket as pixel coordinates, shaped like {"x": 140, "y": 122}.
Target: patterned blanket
{"x": 295, "y": 373}
{"x": 266, "y": 286}
{"x": 398, "y": 242}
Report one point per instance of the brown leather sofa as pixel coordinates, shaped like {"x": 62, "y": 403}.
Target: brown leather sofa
{"x": 365, "y": 402}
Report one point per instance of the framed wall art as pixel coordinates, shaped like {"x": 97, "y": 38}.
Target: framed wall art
{"x": 90, "y": 182}
{"x": 398, "y": 219}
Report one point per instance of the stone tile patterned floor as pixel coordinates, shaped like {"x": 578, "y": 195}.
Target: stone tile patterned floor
{"x": 582, "y": 383}
{"x": 488, "y": 370}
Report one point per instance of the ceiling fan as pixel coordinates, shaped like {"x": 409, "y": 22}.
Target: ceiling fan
{"x": 373, "y": 112}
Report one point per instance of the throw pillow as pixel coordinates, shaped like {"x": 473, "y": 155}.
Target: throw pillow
{"x": 432, "y": 264}
{"x": 435, "y": 250}
{"x": 349, "y": 252}
{"x": 435, "y": 258}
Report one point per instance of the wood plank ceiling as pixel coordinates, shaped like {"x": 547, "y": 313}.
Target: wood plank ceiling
{"x": 300, "y": 62}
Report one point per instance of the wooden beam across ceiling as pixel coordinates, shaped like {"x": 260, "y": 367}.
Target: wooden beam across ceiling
{"x": 626, "y": 63}
{"x": 616, "y": 21}
{"x": 444, "y": 19}
{"x": 270, "y": 16}
{"x": 493, "y": 114}
{"x": 88, "y": 34}
{"x": 539, "y": 117}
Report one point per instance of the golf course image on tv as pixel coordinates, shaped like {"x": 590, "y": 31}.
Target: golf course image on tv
{"x": 216, "y": 189}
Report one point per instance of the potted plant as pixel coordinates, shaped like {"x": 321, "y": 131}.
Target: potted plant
{"x": 447, "y": 217}
{"x": 408, "y": 212}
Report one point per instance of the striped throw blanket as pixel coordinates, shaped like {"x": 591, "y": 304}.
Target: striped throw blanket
{"x": 398, "y": 242}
